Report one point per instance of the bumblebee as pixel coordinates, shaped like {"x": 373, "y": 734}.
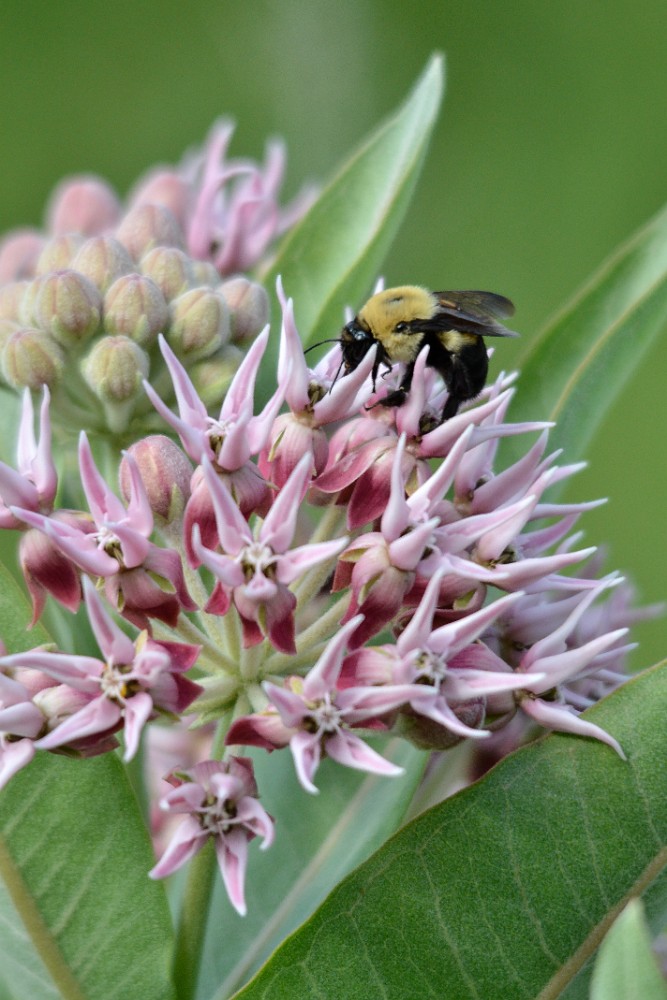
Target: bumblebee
{"x": 400, "y": 321}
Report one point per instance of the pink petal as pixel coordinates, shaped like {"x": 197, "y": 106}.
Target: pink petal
{"x": 307, "y": 753}
{"x": 188, "y": 839}
{"x": 14, "y": 756}
{"x": 114, "y": 644}
{"x": 322, "y": 678}
{"x": 97, "y": 716}
{"x": 565, "y": 720}
{"x": 138, "y": 711}
{"x": 232, "y": 851}
{"x": 350, "y": 751}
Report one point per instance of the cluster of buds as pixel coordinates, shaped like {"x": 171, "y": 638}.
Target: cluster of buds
{"x": 299, "y": 579}
{"x": 83, "y": 303}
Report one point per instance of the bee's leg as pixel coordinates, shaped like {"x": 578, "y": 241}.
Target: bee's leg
{"x": 451, "y": 407}
{"x": 398, "y": 396}
{"x": 459, "y": 388}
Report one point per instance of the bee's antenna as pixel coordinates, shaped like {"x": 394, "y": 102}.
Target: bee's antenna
{"x": 331, "y": 340}
{"x": 336, "y": 375}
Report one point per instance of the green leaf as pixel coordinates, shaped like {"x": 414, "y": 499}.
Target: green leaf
{"x": 80, "y": 917}
{"x": 332, "y": 257}
{"x": 506, "y": 889}
{"x": 626, "y": 966}
{"x": 15, "y": 614}
{"x": 319, "y": 840}
{"x": 574, "y": 370}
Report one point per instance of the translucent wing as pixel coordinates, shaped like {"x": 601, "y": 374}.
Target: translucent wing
{"x": 473, "y": 312}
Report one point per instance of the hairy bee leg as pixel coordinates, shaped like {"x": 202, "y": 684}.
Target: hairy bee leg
{"x": 451, "y": 407}
{"x": 398, "y": 396}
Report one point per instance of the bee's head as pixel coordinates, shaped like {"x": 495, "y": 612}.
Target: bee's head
{"x": 355, "y": 342}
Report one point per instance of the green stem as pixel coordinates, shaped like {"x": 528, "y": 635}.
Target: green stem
{"x": 193, "y": 920}
{"x": 310, "y": 583}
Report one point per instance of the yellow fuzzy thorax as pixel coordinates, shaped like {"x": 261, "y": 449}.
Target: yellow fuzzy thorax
{"x": 397, "y": 305}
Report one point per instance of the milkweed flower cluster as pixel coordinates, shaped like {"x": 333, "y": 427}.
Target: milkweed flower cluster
{"x": 301, "y": 571}
{"x": 82, "y": 302}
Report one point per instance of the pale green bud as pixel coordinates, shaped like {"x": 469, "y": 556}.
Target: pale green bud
{"x": 28, "y": 302}
{"x": 11, "y": 297}
{"x": 7, "y": 328}
{"x": 205, "y": 273}
{"x": 31, "y": 358}
{"x": 135, "y": 307}
{"x": 199, "y": 323}
{"x": 114, "y": 369}
{"x": 68, "y": 306}
{"x": 58, "y": 253}
{"x": 103, "y": 259}
{"x": 170, "y": 269}
{"x": 249, "y": 305}
{"x": 149, "y": 226}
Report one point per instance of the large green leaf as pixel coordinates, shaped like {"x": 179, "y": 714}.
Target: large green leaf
{"x": 332, "y": 257}
{"x": 506, "y": 889}
{"x": 319, "y": 840}
{"x": 80, "y": 916}
{"x": 574, "y": 370}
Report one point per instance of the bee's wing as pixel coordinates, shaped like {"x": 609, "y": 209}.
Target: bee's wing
{"x": 475, "y": 312}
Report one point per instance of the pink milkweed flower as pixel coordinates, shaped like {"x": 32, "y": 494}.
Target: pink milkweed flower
{"x": 255, "y": 572}
{"x": 219, "y": 800}
{"x": 447, "y": 668}
{"x": 560, "y": 663}
{"x": 382, "y": 566}
{"x": 228, "y": 441}
{"x": 118, "y": 549}
{"x": 33, "y": 486}
{"x": 134, "y": 682}
{"x": 47, "y": 570}
{"x": 314, "y": 397}
{"x": 361, "y": 453}
{"x": 315, "y": 717}
{"x": 20, "y": 724}
{"x": 235, "y": 216}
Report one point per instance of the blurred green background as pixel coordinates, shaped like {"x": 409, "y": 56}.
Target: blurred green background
{"x": 552, "y": 149}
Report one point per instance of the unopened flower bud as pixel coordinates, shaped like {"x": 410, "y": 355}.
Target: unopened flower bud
{"x": 199, "y": 323}
{"x": 86, "y": 205}
{"x": 164, "y": 187}
{"x": 427, "y": 734}
{"x": 68, "y": 306}
{"x": 249, "y": 305}
{"x": 170, "y": 269}
{"x": 103, "y": 260}
{"x": 31, "y": 358}
{"x": 11, "y": 296}
{"x": 135, "y": 307}
{"x": 7, "y": 328}
{"x": 19, "y": 251}
{"x": 28, "y": 302}
{"x": 58, "y": 253}
{"x": 166, "y": 473}
{"x": 149, "y": 226}
{"x": 114, "y": 369}
{"x": 206, "y": 273}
